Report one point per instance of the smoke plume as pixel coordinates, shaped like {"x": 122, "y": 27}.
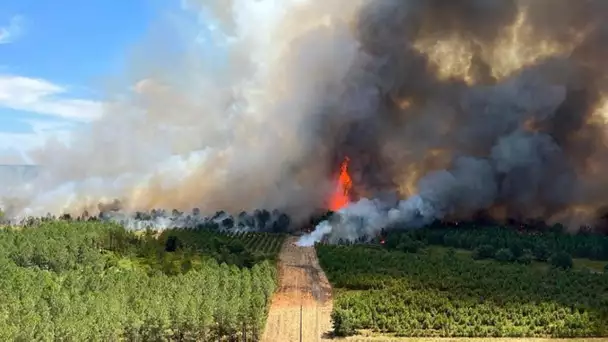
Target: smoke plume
{"x": 455, "y": 107}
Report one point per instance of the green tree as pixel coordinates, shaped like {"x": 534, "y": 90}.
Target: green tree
{"x": 526, "y": 258}
{"x": 484, "y": 252}
{"x": 561, "y": 260}
{"x": 421, "y": 295}
{"x": 344, "y": 322}
{"x": 504, "y": 255}
{"x": 87, "y": 280}
{"x": 410, "y": 246}
{"x": 541, "y": 252}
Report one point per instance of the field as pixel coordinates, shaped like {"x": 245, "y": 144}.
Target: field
{"x": 89, "y": 280}
{"x": 80, "y": 281}
{"x": 496, "y": 283}
{"x": 540, "y": 245}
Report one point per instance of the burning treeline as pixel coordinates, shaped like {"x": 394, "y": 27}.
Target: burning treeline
{"x": 438, "y": 109}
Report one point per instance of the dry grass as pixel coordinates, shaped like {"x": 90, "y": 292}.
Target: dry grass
{"x": 303, "y": 286}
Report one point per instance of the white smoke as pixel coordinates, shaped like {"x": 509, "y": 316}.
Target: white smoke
{"x": 194, "y": 132}
{"x": 468, "y": 187}
{"x": 363, "y": 218}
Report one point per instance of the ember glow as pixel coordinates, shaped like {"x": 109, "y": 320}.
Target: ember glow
{"x": 341, "y": 196}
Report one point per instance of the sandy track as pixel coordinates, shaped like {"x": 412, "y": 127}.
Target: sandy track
{"x": 302, "y": 286}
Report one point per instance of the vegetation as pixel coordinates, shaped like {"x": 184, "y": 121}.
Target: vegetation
{"x": 441, "y": 292}
{"x": 81, "y": 281}
{"x": 506, "y": 244}
{"x": 243, "y": 249}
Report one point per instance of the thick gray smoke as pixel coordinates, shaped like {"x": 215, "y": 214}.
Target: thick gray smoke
{"x": 455, "y": 106}
{"x": 516, "y": 140}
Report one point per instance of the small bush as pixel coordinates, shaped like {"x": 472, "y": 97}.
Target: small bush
{"x": 344, "y": 322}
{"x": 172, "y": 244}
{"x": 483, "y": 252}
{"x": 517, "y": 250}
{"x": 561, "y": 260}
{"x": 541, "y": 252}
{"x": 526, "y": 258}
{"x": 504, "y": 255}
{"x": 410, "y": 246}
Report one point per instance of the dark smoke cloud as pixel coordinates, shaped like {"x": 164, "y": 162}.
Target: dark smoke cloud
{"x": 521, "y": 140}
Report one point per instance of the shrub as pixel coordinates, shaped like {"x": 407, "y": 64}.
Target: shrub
{"x": 483, "y": 252}
{"x": 504, "y": 255}
{"x": 526, "y": 258}
{"x": 410, "y": 246}
{"x": 344, "y": 322}
{"x": 517, "y": 249}
{"x": 172, "y": 244}
{"x": 561, "y": 260}
{"x": 541, "y": 252}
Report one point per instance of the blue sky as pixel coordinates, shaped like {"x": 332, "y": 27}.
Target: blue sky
{"x": 54, "y": 53}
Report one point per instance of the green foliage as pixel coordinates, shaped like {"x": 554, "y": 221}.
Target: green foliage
{"x": 434, "y": 295}
{"x": 344, "y": 322}
{"x": 484, "y": 252}
{"x": 92, "y": 281}
{"x": 410, "y": 246}
{"x": 561, "y": 260}
{"x": 506, "y": 245}
{"x": 242, "y": 249}
{"x": 526, "y": 258}
{"x": 504, "y": 255}
{"x": 541, "y": 251}
{"x": 542, "y": 244}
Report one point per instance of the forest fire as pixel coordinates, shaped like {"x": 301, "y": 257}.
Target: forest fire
{"x": 341, "y": 195}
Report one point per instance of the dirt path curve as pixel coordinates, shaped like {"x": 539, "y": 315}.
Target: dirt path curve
{"x": 302, "y": 284}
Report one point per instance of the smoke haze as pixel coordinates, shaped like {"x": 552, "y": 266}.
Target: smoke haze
{"x": 456, "y": 107}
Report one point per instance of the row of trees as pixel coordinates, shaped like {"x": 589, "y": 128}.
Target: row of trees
{"x": 410, "y": 242}
{"x": 266, "y": 221}
{"x": 542, "y": 243}
{"x": 442, "y": 293}
{"x": 242, "y": 249}
{"x": 269, "y": 244}
{"x": 85, "y": 281}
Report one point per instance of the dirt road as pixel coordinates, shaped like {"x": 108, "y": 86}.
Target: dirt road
{"x": 303, "y": 286}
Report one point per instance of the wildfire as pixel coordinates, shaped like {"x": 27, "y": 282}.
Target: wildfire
{"x": 340, "y": 196}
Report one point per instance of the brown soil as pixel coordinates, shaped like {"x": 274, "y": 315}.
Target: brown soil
{"x": 305, "y": 292}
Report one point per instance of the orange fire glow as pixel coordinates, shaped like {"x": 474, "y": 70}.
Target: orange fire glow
{"x": 340, "y": 196}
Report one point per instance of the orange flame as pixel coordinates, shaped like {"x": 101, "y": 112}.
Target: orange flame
{"x": 340, "y": 198}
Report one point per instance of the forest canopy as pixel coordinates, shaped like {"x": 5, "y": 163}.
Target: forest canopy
{"x": 85, "y": 280}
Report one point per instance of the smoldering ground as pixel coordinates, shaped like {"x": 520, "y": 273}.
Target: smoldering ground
{"x": 455, "y": 106}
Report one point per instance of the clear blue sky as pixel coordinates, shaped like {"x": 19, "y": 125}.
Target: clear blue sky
{"x": 52, "y": 52}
